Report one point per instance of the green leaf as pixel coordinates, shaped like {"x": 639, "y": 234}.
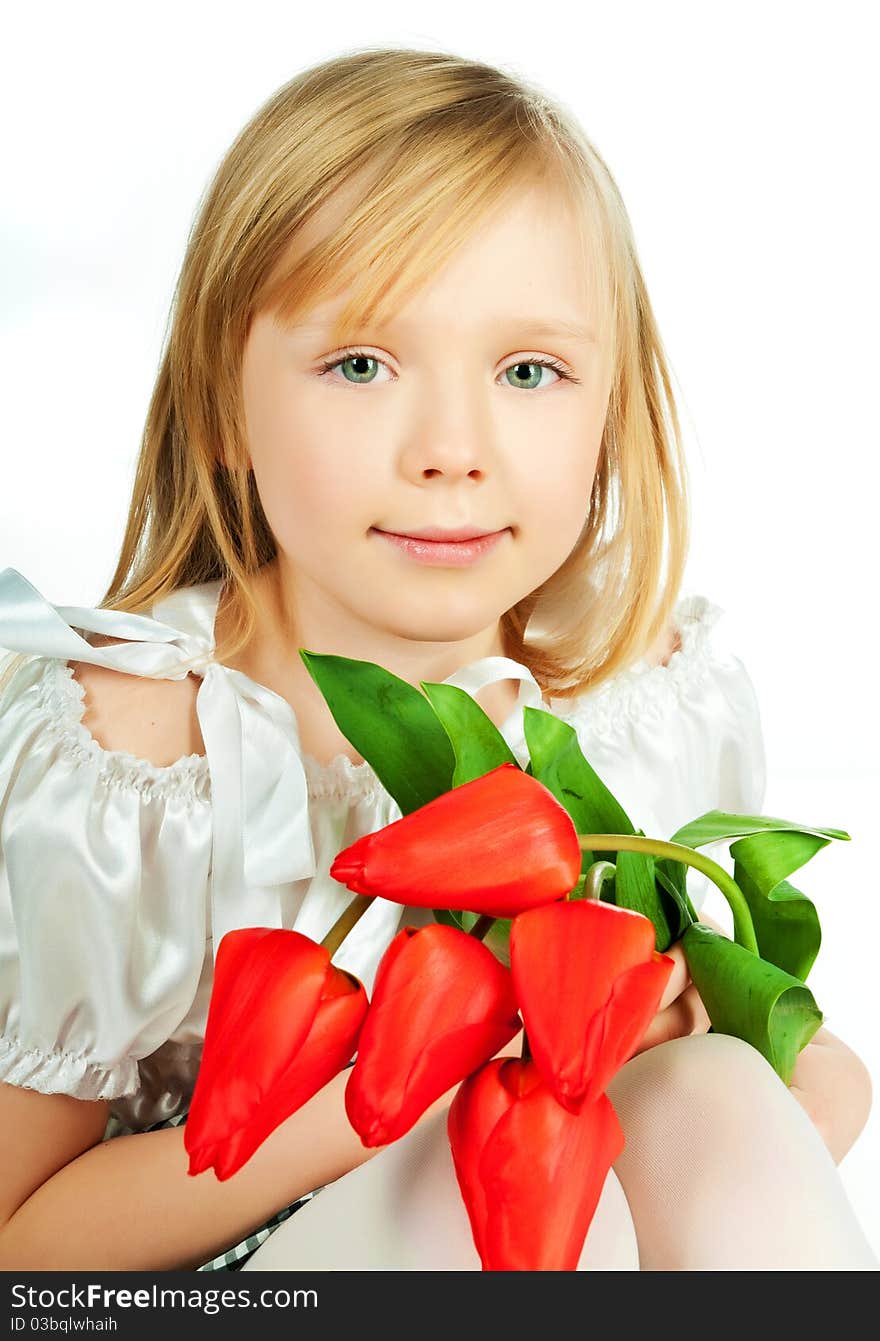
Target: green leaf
{"x": 717, "y": 825}
{"x": 497, "y": 939}
{"x": 672, "y": 890}
{"x": 558, "y": 761}
{"x": 672, "y": 877}
{"x": 476, "y": 741}
{"x": 750, "y": 998}
{"x": 391, "y": 725}
{"x": 451, "y": 917}
{"x": 786, "y": 922}
{"x": 636, "y": 888}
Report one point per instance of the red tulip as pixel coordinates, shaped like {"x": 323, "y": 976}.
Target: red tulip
{"x": 530, "y": 1172}
{"x": 495, "y": 845}
{"x": 589, "y": 982}
{"x": 441, "y": 1004}
{"x": 281, "y": 1022}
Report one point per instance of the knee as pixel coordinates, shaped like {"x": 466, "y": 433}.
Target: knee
{"x": 712, "y": 1055}
{"x": 703, "y": 1073}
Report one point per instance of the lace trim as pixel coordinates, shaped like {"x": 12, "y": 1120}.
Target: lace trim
{"x": 58, "y": 1072}
{"x": 61, "y": 699}
{"x": 341, "y": 780}
{"x": 645, "y": 694}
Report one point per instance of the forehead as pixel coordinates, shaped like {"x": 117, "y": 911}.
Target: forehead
{"x": 528, "y": 266}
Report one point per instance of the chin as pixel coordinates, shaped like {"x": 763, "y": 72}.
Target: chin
{"x": 427, "y": 627}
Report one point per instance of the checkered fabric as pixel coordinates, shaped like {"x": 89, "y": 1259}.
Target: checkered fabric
{"x": 234, "y": 1258}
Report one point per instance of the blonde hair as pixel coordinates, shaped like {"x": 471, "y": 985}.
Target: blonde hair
{"x": 435, "y": 142}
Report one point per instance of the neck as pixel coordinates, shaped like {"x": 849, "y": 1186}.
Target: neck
{"x": 271, "y": 658}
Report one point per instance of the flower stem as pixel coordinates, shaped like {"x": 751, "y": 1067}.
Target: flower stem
{"x": 482, "y": 926}
{"x": 344, "y": 923}
{"x": 743, "y": 927}
{"x": 598, "y": 873}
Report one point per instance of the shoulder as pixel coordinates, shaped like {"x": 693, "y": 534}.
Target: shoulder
{"x": 668, "y": 642}
{"x": 154, "y": 719}
{"x": 151, "y": 717}
{"x": 672, "y": 673}
{"x": 685, "y": 666}
{"x": 687, "y": 712}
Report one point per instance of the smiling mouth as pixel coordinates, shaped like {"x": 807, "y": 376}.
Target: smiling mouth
{"x": 442, "y": 553}
{"x": 438, "y": 535}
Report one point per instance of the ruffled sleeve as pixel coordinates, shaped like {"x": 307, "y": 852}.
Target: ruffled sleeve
{"x": 674, "y": 741}
{"x": 104, "y": 864}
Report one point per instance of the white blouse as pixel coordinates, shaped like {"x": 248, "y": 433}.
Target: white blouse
{"x": 118, "y": 877}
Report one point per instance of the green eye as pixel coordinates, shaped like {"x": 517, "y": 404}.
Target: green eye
{"x": 360, "y": 368}
{"x": 353, "y": 362}
{"x": 528, "y": 375}
{"x": 356, "y": 363}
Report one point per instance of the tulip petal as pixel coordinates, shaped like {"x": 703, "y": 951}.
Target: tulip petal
{"x": 441, "y": 1063}
{"x": 281, "y": 1021}
{"x": 543, "y": 1170}
{"x": 529, "y": 1172}
{"x": 619, "y": 1027}
{"x": 571, "y": 962}
{"x": 441, "y": 1005}
{"x": 495, "y": 845}
{"x": 267, "y": 985}
{"x": 479, "y": 1104}
{"x": 326, "y": 1051}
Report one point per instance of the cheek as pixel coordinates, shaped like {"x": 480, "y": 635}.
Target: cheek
{"x": 311, "y": 484}
{"x": 311, "y": 479}
{"x": 556, "y": 495}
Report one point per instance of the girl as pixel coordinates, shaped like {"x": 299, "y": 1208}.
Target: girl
{"x": 410, "y": 312}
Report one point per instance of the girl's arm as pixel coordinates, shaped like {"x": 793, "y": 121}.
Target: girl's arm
{"x": 128, "y": 1203}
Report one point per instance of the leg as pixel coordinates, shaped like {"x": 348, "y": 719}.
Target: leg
{"x": 722, "y": 1168}
{"x": 402, "y": 1211}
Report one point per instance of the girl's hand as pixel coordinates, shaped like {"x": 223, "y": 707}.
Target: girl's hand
{"x": 681, "y": 1010}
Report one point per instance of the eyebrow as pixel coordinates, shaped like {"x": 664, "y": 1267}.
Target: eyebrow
{"x": 573, "y": 329}
{"x": 541, "y": 326}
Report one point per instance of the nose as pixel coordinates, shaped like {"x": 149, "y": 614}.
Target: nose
{"x": 451, "y": 472}
{"x": 453, "y": 436}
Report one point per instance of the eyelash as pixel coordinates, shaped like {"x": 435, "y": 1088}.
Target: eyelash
{"x": 329, "y": 364}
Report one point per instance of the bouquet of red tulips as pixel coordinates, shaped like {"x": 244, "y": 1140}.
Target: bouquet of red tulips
{"x": 505, "y": 858}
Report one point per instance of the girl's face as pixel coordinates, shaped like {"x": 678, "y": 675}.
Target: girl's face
{"x": 446, "y": 419}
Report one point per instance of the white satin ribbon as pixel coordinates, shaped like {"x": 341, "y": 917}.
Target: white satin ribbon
{"x": 475, "y": 677}
{"x": 259, "y": 792}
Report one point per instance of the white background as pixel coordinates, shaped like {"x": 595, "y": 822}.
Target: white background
{"x": 744, "y": 141}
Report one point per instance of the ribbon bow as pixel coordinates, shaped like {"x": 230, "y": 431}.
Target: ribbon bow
{"x": 259, "y": 791}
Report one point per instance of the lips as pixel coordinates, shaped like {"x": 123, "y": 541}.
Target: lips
{"x": 444, "y": 553}
{"x": 444, "y": 536}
